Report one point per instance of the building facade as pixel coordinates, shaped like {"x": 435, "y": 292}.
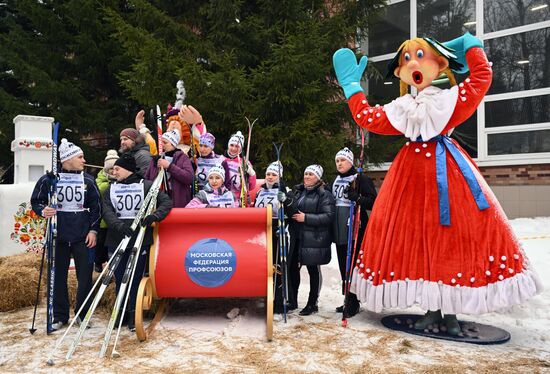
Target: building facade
{"x": 509, "y": 136}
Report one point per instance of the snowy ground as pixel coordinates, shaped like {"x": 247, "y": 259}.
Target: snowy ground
{"x": 196, "y": 336}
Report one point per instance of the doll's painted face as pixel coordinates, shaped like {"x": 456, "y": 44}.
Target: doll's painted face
{"x": 419, "y": 65}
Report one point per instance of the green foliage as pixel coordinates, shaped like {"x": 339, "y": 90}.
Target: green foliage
{"x": 92, "y": 64}
{"x": 270, "y": 60}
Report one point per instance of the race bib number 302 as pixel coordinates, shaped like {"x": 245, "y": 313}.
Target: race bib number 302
{"x": 70, "y": 192}
{"x": 127, "y": 199}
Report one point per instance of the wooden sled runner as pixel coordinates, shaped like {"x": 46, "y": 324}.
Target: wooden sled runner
{"x": 206, "y": 253}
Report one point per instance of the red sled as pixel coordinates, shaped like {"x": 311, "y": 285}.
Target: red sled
{"x": 207, "y": 253}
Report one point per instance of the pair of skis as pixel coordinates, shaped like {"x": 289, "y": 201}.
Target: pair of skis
{"x": 51, "y": 243}
{"x": 107, "y": 275}
{"x": 245, "y": 193}
{"x": 283, "y": 242}
{"x": 353, "y": 232}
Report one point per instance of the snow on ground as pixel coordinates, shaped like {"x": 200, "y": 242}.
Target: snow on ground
{"x": 196, "y": 336}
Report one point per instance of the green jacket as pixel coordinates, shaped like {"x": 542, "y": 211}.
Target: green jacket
{"x": 103, "y": 183}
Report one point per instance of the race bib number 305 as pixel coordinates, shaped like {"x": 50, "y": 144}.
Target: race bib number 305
{"x": 127, "y": 199}
{"x": 70, "y": 192}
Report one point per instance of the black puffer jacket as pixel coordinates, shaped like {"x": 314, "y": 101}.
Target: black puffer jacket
{"x": 312, "y": 238}
{"x": 115, "y": 224}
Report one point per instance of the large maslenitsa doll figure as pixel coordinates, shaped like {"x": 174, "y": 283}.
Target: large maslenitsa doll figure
{"x": 437, "y": 236}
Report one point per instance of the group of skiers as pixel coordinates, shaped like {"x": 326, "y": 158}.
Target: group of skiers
{"x": 97, "y": 214}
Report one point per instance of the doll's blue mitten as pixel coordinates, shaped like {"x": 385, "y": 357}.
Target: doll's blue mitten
{"x": 348, "y": 72}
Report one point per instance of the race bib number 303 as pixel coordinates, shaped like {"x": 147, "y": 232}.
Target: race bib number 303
{"x": 70, "y": 192}
{"x": 127, "y": 199}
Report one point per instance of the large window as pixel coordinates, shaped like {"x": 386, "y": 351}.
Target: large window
{"x": 512, "y": 124}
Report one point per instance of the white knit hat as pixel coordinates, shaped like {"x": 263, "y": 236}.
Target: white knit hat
{"x": 172, "y": 136}
{"x": 345, "y": 153}
{"x": 275, "y": 168}
{"x": 110, "y": 159}
{"x": 315, "y": 169}
{"x": 236, "y": 139}
{"x": 68, "y": 150}
{"x": 217, "y": 169}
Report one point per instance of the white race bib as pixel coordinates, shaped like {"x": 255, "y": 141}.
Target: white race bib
{"x": 340, "y": 185}
{"x": 127, "y": 199}
{"x": 234, "y": 175}
{"x": 268, "y": 196}
{"x": 70, "y": 192}
{"x": 222, "y": 201}
{"x": 203, "y": 167}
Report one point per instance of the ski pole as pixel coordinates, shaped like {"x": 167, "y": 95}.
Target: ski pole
{"x": 121, "y": 293}
{"x": 32, "y": 329}
{"x": 348, "y": 263}
{"x": 130, "y": 267}
{"x": 52, "y": 243}
{"x": 121, "y": 247}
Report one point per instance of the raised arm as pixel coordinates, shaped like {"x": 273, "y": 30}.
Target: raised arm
{"x": 349, "y": 74}
{"x": 473, "y": 89}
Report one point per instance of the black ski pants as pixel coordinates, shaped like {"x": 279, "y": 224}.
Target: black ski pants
{"x": 315, "y": 280}
{"x": 121, "y": 268}
{"x": 83, "y": 260}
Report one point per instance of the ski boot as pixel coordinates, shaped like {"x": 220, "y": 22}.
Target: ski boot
{"x": 450, "y": 321}
{"x": 131, "y": 316}
{"x": 309, "y": 309}
{"x": 353, "y": 305}
{"x": 430, "y": 318}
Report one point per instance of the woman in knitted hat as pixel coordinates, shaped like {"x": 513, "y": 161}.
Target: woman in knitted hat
{"x": 207, "y": 159}
{"x": 234, "y": 159}
{"x": 349, "y": 187}
{"x": 268, "y": 195}
{"x": 179, "y": 170}
{"x": 214, "y": 194}
{"x": 105, "y": 177}
{"x": 311, "y": 208}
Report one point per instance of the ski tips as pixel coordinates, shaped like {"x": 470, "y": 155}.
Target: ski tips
{"x": 344, "y": 323}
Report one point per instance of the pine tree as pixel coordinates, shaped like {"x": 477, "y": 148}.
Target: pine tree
{"x": 265, "y": 59}
{"x": 58, "y": 58}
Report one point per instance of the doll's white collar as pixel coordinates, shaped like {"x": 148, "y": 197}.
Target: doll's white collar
{"x": 424, "y": 115}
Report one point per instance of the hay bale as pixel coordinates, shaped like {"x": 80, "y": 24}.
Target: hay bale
{"x": 18, "y": 280}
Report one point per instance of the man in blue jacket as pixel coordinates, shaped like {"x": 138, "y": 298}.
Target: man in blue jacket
{"x": 78, "y": 216}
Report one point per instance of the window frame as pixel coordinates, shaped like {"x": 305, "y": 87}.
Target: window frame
{"x": 483, "y": 158}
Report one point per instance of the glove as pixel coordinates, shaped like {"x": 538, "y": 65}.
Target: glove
{"x": 348, "y": 72}
{"x": 51, "y": 175}
{"x": 461, "y": 45}
{"x": 353, "y": 194}
{"x": 281, "y": 196}
{"x": 250, "y": 170}
{"x": 148, "y": 221}
{"x": 125, "y": 230}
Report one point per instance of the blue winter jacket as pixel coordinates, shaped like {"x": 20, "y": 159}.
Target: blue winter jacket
{"x": 71, "y": 226}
